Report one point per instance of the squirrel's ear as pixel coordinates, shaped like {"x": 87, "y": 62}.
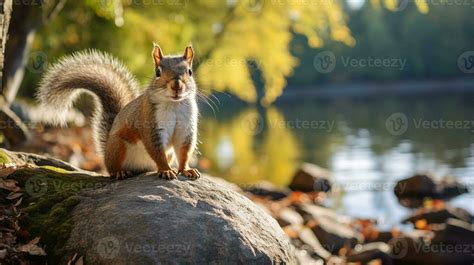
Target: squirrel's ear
{"x": 189, "y": 55}
{"x": 157, "y": 54}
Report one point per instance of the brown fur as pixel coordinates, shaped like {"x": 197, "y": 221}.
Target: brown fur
{"x": 131, "y": 135}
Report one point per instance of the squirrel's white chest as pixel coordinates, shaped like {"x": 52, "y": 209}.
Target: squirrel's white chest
{"x": 174, "y": 121}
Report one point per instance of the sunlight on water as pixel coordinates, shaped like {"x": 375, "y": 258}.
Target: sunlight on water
{"x": 354, "y": 139}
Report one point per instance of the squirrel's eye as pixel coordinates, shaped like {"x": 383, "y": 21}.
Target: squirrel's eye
{"x": 190, "y": 72}
{"x": 158, "y": 72}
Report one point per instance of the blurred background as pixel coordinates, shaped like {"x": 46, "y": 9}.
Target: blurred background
{"x": 373, "y": 90}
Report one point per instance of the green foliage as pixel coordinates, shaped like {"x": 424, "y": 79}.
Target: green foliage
{"x": 277, "y": 40}
{"x": 429, "y": 43}
{"x": 226, "y": 35}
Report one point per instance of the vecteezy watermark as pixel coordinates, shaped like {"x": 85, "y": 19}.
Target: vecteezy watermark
{"x": 442, "y": 247}
{"x": 108, "y": 247}
{"x": 465, "y": 3}
{"x": 36, "y": 186}
{"x": 466, "y": 62}
{"x": 39, "y": 186}
{"x": 325, "y": 62}
{"x": 370, "y": 62}
{"x": 323, "y": 125}
{"x": 365, "y": 185}
{"x": 37, "y": 62}
{"x": 157, "y": 248}
{"x": 398, "y": 123}
{"x": 399, "y": 247}
{"x": 255, "y": 124}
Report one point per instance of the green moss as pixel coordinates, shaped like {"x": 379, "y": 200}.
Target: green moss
{"x": 49, "y": 199}
{"x": 3, "y": 157}
{"x": 56, "y": 169}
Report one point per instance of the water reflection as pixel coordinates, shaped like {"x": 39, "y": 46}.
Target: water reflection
{"x": 244, "y": 151}
{"x": 352, "y": 138}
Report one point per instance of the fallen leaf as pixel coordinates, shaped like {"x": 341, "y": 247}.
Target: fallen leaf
{"x": 9, "y": 184}
{"x": 34, "y": 241}
{"x": 14, "y": 195}
{"x": 5, "y": 172}
{"x": 32, "y": 248}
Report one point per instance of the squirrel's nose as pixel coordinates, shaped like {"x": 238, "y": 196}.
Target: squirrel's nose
{"x": 177, "y": 85}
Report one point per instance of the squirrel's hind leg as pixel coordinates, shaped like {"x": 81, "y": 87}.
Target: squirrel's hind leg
{"x": 124, "y": 160}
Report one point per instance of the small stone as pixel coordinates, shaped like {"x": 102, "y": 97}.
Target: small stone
{"x": 411, "y": 192}
{"x": 268, "y": 190}
{"x": 310, "y": 177}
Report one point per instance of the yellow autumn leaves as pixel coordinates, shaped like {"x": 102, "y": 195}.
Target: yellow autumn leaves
{"x": 240, "y": 45}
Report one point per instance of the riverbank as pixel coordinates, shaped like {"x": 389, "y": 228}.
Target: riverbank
{"x": 366, "y": 89}
{"x": 136, "y": 220}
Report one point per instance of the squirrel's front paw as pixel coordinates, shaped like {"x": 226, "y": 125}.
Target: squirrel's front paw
{"x": 167, "y": 174}
{"x": 191, "y": 173}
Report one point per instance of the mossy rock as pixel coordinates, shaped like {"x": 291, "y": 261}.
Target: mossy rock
{"x": 51, "y": 189}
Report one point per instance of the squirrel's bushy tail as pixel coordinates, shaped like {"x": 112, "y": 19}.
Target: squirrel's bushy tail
{"x": 93, "y": 71}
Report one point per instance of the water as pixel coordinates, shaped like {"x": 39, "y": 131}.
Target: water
{"x": 368, "y": 143}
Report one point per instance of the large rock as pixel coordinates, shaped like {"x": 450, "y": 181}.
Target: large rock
{"x": 439, "y": 216}
{"x": 310, "y": 177}
{"x": 145, "y": 220}
{"x": 412, "y": 191}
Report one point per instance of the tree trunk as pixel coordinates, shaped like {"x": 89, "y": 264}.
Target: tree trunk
{"x": 10, "y": 125}
{"x": 26, "y": 18}
{"x": 5, "y": 15}
{"x": 21, "y": 25}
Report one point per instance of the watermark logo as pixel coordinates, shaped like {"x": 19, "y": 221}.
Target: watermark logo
{"x": 324, "y": 62}
{"x": 37, "y": 62}
{"x": 466, "y": 62}
{"x": 254, "y": 124}
{"x": 397, "y": 124}
{"x": 399, "y": 247}
{"x": 36, "y": 186}
{"x": 108, "y": 247}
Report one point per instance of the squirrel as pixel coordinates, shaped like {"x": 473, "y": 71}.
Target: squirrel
{"x": 135, "y": 133}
